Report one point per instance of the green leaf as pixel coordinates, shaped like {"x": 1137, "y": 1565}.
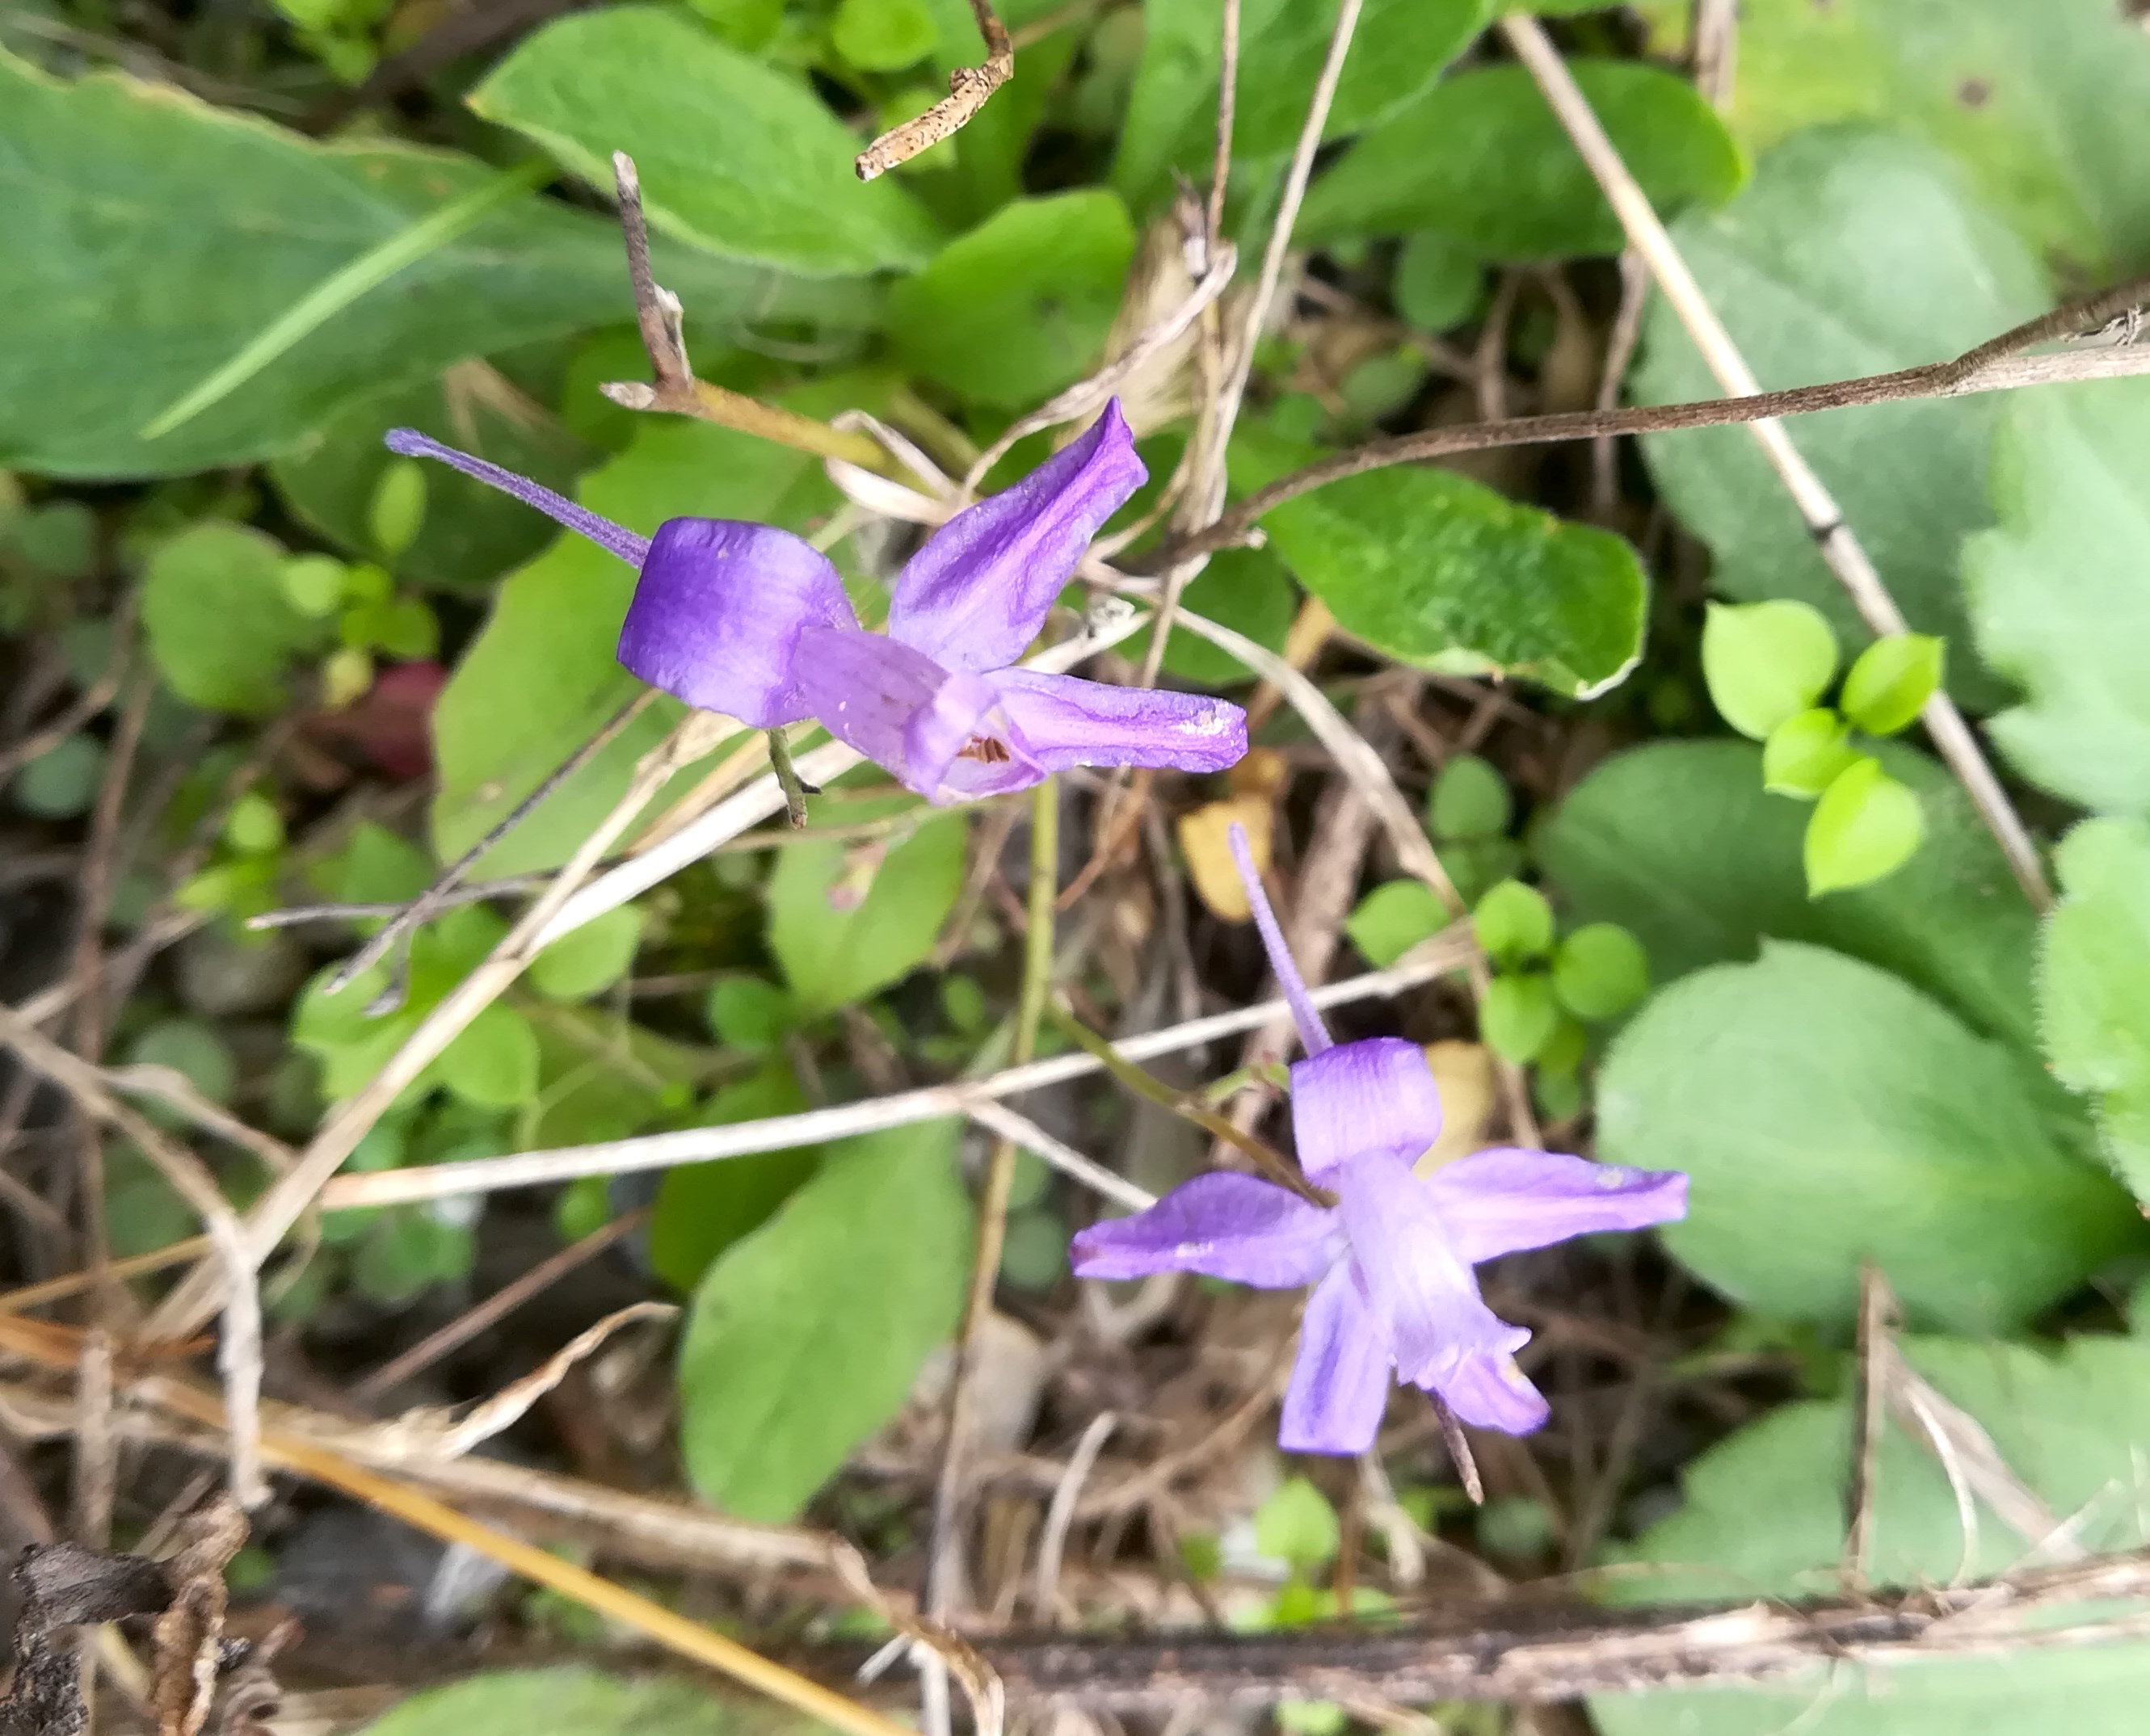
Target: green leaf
{"x": 1864, "y": 829}
{"x": 703, "y": 1208}
{"x": 151, "y": 237}
{"x": 1851, "y": 253}
{"x": 1518, "y": 1016}
{"x": 1481, "y": 157}
{"x": 407, "y": 1250}
{"x": 2032, "y": 101}
{"x": 1020, "y": 306}
{"x": 493, "y": 1060}
{"x": 1439, "y": 572}
{"x": 1600, "y": 972}
{"x": 805, "y": 1337}
{"x": 1392, "y": 919}
{"x": 563, "y": 1702}
{"x": 1438, "y": 281}
{"x": 192, "y": 1049}
{"x": 1470, "y": 799}
{"x": 1893, "y": 678}
{"x": 63, "y": 780}
{"x": 882, "y": 36}
{"x": 1249, "y": 590}
{"x": 1841, "y": 1116}
{"x": 1763, "y": 1519}
{"x": 592, "y": 959}
{"x": 835, "y": 952}
{"x": 1805, "y": 753}
{"x": 1514, "y": 923}
{"x": 2094, "y": 985}
{"x": 1764, "y": 661}
{"x": 1298, "y": 1526}
{"x": 1397, "y": 50}
{"x": 735, "y": 156}
{"x": 221, "y": 631}
{"x": 1677, "y": 843}
{"x": 541, "y": 679}
{"x": 749, "y": 1014}
{"x": 2056, "y": 591}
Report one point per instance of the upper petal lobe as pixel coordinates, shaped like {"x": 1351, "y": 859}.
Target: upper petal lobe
{"x": 1376, "y": 1095}
{"x": 978, "y": 591}
{"x": 717, "y": 615}
{"x": 1496, "y": 1202}
{"x": 1061, "y": 720}
{"x": 1222, "y": 1224}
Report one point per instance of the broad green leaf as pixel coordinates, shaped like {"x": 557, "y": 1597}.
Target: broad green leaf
{"x": 1470, "y": 799}
{"x": 2060, "y": 593}
{"x": 2094, "y": 985}
{"x": 750, "y": 1015}
{"x": 492, "y": 1061}
{"x": 1514, "y": 923}
{"x": 1851, "y": 253}
{"x": 1891, "y": 681}
{"x": 63, "y": 780}
{"x": 805, "y": 1337}
{"x": 1862, "y": 830}
{"x": 563, "y": 1702}
{"x": 735, "y": 156}
{"x": 1600, "y": 970}
{"x": 221, "y": 631}
{"x": 2034, "y": 100}
{"x": 835, "y": 948}
{"x": 600, "y": 1077}
{"x": 1827, "y": 1113}
{"x": 1437, "y": 571}
{"x": 1805, "y": 753}
{"x": 1764, "y": 1518}
{"x": 883, "y": 36}
{"x": 150, "y": 237}
{"x": 1518, "y": 1016}
{"x": 1018, "y": 308}
{"x": 590, "y": 960}
{"x": 1392, "y": 919}
{"x": 1397, "y": 50}
{"x": 703, "y": 1208}
{"x": 1438, "y": 281}
{"x": 1765, "y": 662}
{"x": 541, "y": 679}
{"x": 1297, "y": 1525}
{"x": 1678, "y": 843}
{"x": 1482, "y": 159}
{"x": 471, "y": 534}
{"x": 1249, "y": 590}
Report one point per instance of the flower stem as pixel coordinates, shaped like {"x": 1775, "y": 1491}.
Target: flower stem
{"x": 795, "y": 791}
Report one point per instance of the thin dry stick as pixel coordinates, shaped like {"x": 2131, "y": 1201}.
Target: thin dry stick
{"x": 1228, "y": 101}
{"x": 1946, "y": 725}
{"x": 999, "y": 1119}
{"x": 968, "y": 88}
{"x": 1060, "y": 1515}
{"x": 1444, "y": 952}
{"x": 1619, "y": 352}
{"x": 54, "y": 1289}
{"x": 92, "y": 698}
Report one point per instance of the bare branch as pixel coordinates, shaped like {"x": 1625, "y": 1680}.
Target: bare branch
{"x": 968, "y": 88}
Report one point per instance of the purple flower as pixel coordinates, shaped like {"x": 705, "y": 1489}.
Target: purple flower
{"x": 751, "y": 621}
{"x": 1391, "y": 1262}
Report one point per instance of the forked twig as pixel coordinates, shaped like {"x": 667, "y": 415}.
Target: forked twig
{"x": 968, "y": 88}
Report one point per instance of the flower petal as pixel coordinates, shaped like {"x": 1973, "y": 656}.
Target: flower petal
{"x": 616, "y": 537}
{"x": 1340, "y": 1381}
{"x": 902, "y": 710}
{"x": 1490, "y": 1392}
{"x": 1060, "y": 721}
{"x": 978, "y": 591}
{"x": 1376, "y": 1095}
{"x": 1313, "y": 1034}
{"x": 1495, "y": 1202}
{"x": 718, "y": 611}
{"x": 1222, "y": 1224}
{"x": 1418, "y": 1285}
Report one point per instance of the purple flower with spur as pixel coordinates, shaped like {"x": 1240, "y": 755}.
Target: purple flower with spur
{"x": 752, "y": 621}
{"x": 1390, "y": 1261}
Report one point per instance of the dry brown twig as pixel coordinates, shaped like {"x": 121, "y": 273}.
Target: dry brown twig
{"x": 968, "y": 88}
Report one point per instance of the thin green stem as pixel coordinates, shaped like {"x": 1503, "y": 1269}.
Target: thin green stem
{"x": 795, "y": 792}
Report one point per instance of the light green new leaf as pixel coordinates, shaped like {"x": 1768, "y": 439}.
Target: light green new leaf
{"x": 1827, "y": 1113}
{"x": 221, "y": 631}
{"x": 1678, "y": 843}
{"x": 1481, "y": 159}
{"x": 492, "y": 1061}
{"x": 565, "y": 1702}
{"x": 1398, "y": 49}
{"x": 150, "y": 238}
{"x": 1436, "y": 570}
{"x": 1393, "y": 918}
{"x": 2060, "y": 594}
{"x": 1862, "y": 830}
{"x": 1765, "y": 662}
{"x": 734, "y": 155}
{"x": 1891, "y": 682}
{"x": 834, "y": 950}
{"x": 1851, "y": 253}
{"x": 2094, "y": 985}
{"x": 1018, "y": 308}
{"x": 591, "y": 959}
{"x": 1764, "y": 1518}
{"x": 805, "y": 1337}
{"x": 2036, "y": 99}
{"x": 1806, "y": 752}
